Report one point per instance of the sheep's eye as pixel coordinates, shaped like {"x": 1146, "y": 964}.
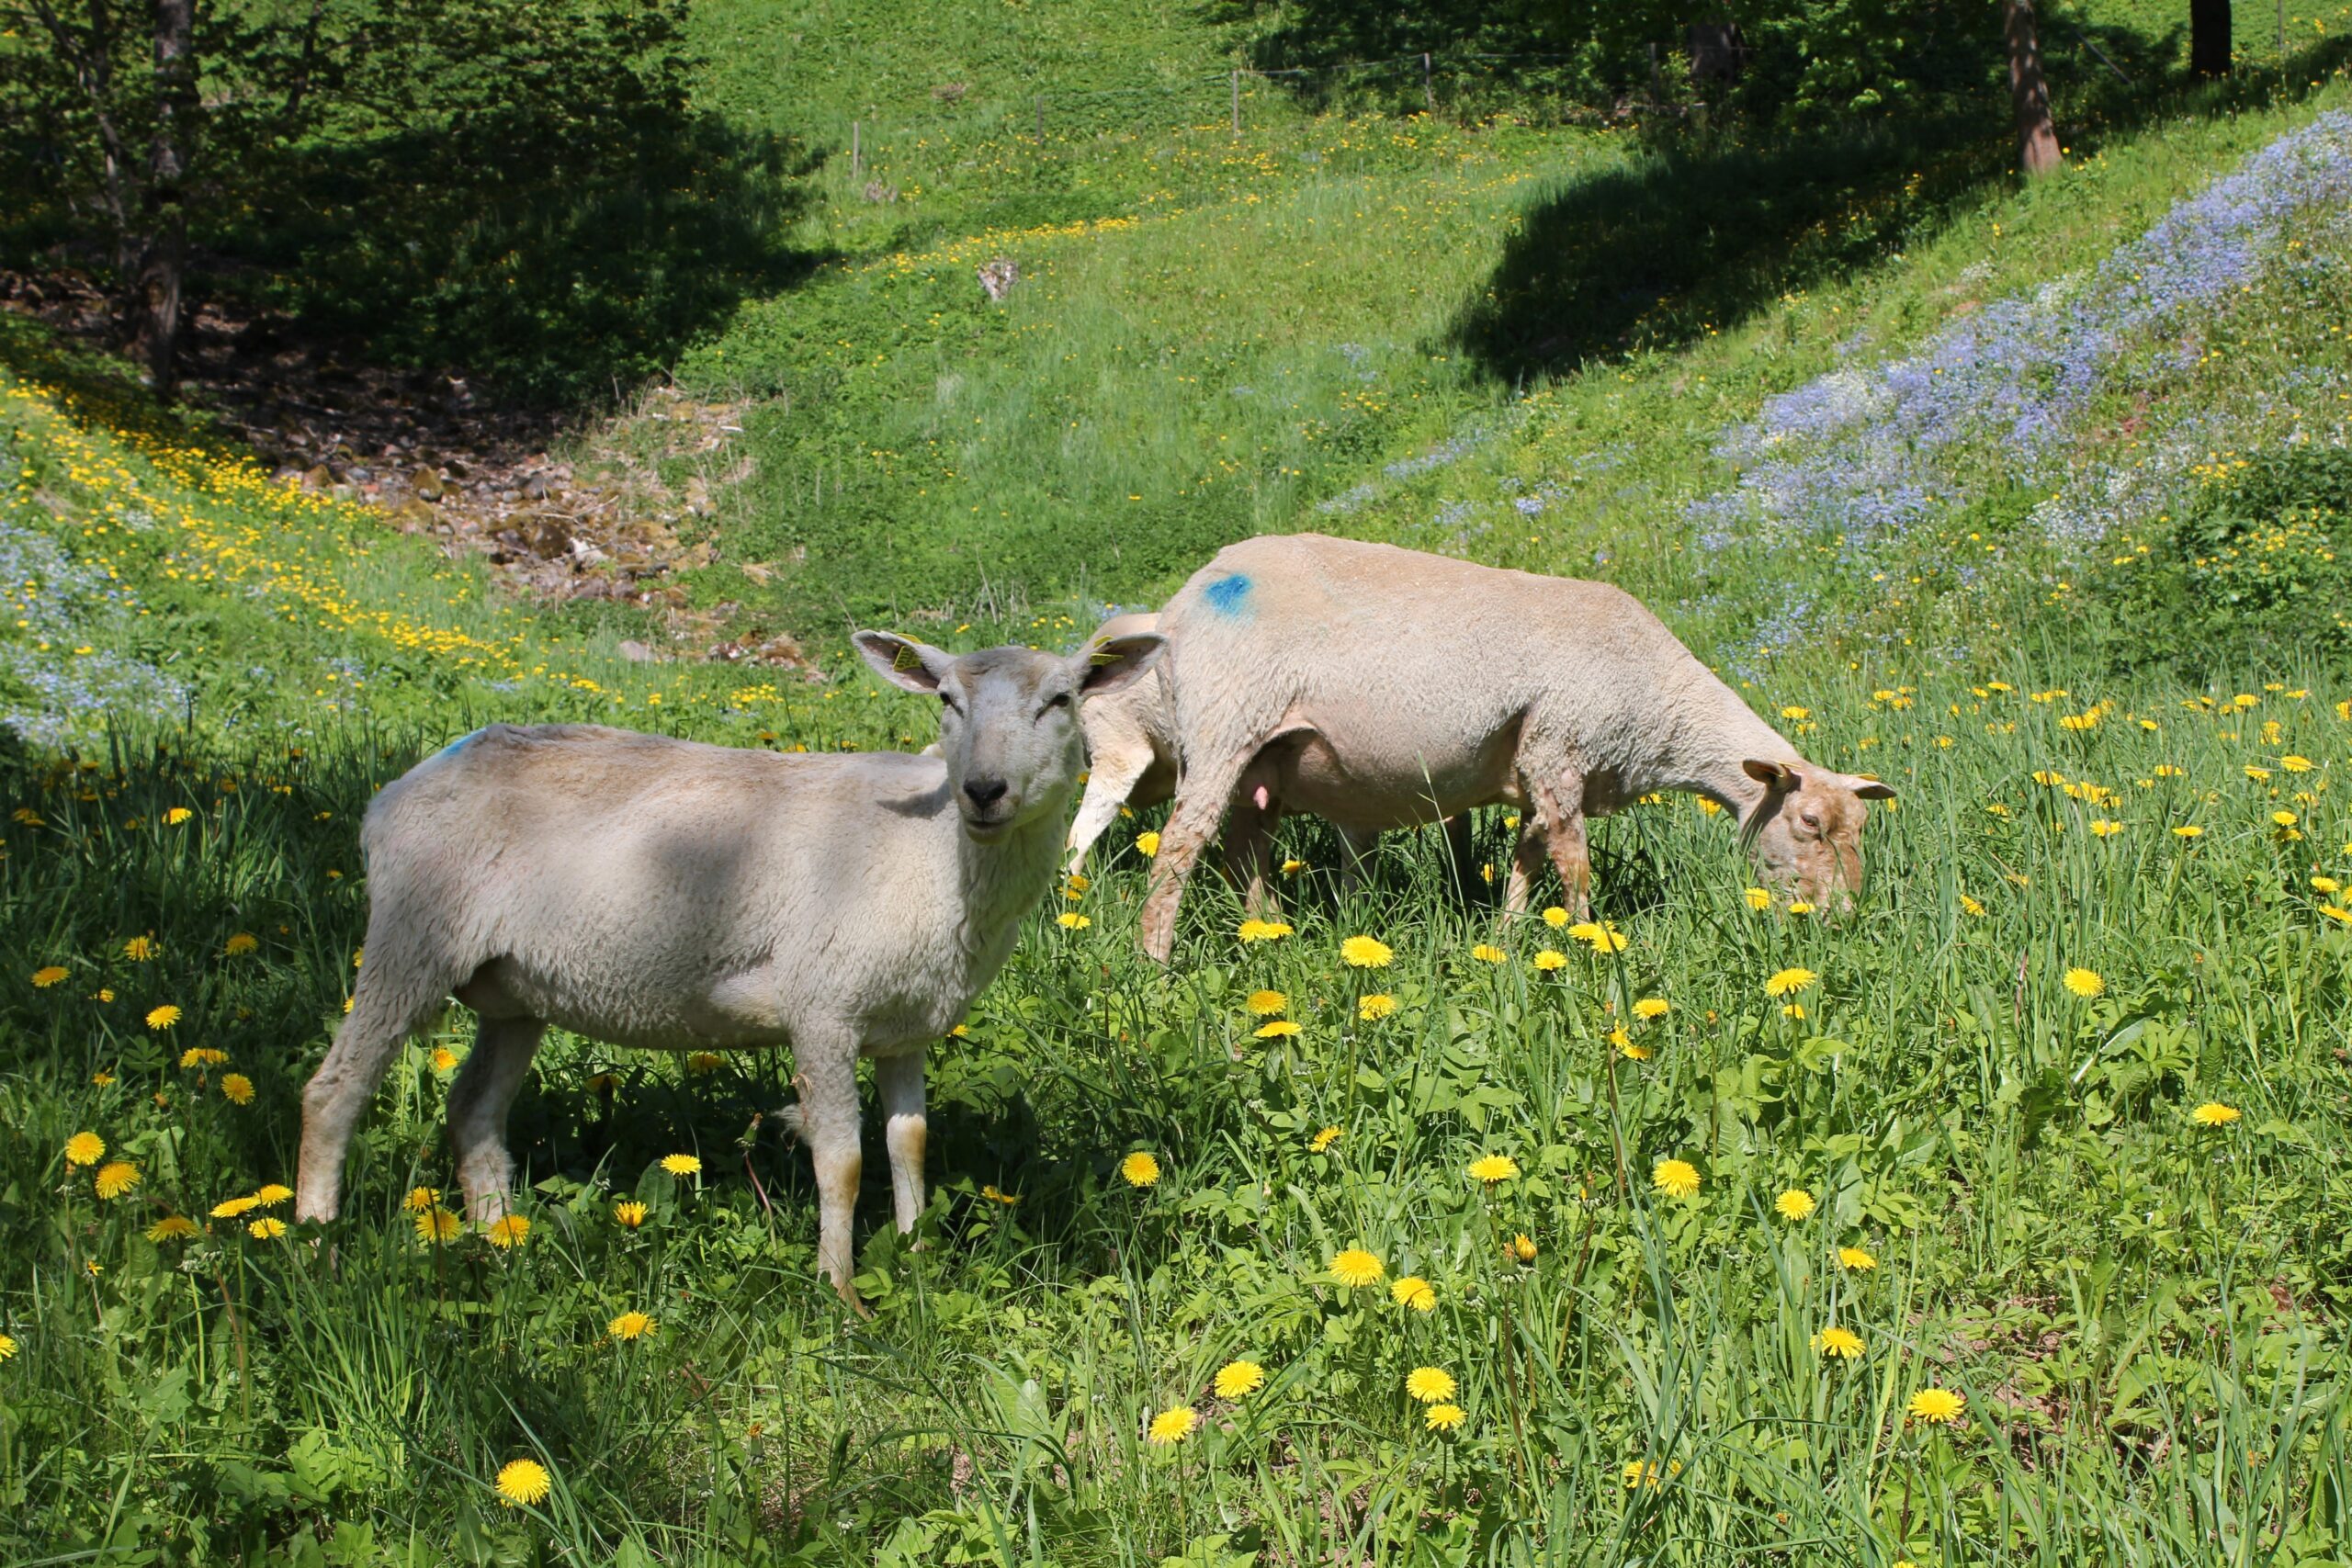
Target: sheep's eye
{"x": 1059, "y": 699}
{"x": 948, "y": 701}
{"x": 1812, "y": 821}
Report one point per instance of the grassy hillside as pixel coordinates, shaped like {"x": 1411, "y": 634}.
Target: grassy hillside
{"x": 2033, "y": 502}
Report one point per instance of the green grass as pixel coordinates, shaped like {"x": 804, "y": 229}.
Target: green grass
{"x": 2144, "y": 1315}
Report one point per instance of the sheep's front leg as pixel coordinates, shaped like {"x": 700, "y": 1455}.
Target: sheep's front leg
{"x": 1200, "y": 800}
{"x": 899, "y": 1081}
{"x": 1555, "y": 798}
{"x": 828, "y": 1083}
{"x": 1526, "y": 864}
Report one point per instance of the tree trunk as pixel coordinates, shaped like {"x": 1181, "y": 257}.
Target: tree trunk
{"x": 2209, "y": 37}
{"x": 163, "y": 263}
{"x": 2029, "y": 93}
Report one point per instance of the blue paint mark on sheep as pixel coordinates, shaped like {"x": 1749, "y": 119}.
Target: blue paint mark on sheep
{"x": 460, "y": 744}
{"x": 1228, "y": 594}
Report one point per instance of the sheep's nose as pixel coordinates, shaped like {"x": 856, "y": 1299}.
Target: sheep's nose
{"x": 985, "y": 791}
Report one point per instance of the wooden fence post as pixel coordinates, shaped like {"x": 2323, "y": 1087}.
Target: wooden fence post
{"x": 1236, "y": 100}
{"x": 856, "y": 151}
{"x": 1429, "y": 94}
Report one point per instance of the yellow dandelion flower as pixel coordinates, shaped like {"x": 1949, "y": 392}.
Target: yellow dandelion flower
{"x": 1072, "y": 920}
{"x": 630, "y": 1213}
{"x": 1793, "y": 711}
{"x": 163, "y": 1017}
{"x": 48, "y": 974}
{"x": 272, "y": 1194}
{"x": 1938, "y": 1406}
{"x": 1801, "y": 907}
{"x": 1147, "y": 844}
{"x": 265, "y": 1229}
{"x": 84, "y": 1148}
{"x": 102, "y": 1077}
{"x": 2084, "y": 983}
{"x": 1366, "y": 953}
{"x": 1675, "y": 1177}
{"x": 1443, "y": 1417}
{"x": 1263, "y": 930}
{"x": 1520, "y": 1248}
{"x": 116, "y": 1177}
{"x": 1487, "y": 952}
{"x": 2187, "y": 830}
{"x": 703, "y": 1062}
{"x": 436, "y": 1226}
{"x": 1855, "y": 1259}
{"x": 1139, "y": 1169}
{"x": 2105, "y": 828}
{"x": 2282, "y": 818}
{"x": 1599, "y": 938}
{"x": 1238, "y": 1380}
{"x": 2259, "y": 775}
{"x": 237, "y": 1088}
{"x": 1172, "y": 1427}
{"x": 1555, "y": 916}
{"x": 443, "y": 1058}
{"x": 1796, "y": 1203}
{"x": 1550, "y": 959}
{"x": 421, "y": 1197}
{"x": 682, "y": 1165}
{"x": 2333, "y": 913}
{"x": 202, "y": 1056}
{"x": 2213, "y": 1113}
{"x": 1625, "y": 1044}
{"x": 1970, "y": 907}
{"x": 631, "y": 1326}
{"x": 1788, "y": 982}
{"x": 1412, "y": 1291}
{"x": 1652, "y": 1006}
{"x": 1639, "y": 1473}
{"x": 1372, "y": 1009}
{"x": 1842, "y": 1343}
{"x": 1322, "y": 1140}
{"x": 1280, "y": 1029}
{"x": 1266, "y": 1004}
{"x": 2167, "y": 771}
{"x": 1757, "y": 899}
{"x": 1493, "y": 1168}
{"x": 1356, "y": 1268}
{"x": 240, "y": 943}
{"x": 2326, "y": 884}
{"x": 2295, "y": 764}
{"x": 176, "y": 814}
{"x": 510, "y": 1232}
{"x": 173, "y": 1227}
{"x": 1430, "y": 1386}
{"x": 138, "y": 949}
{"x": 229, "y": 1207}
{"x": 523, "y": 1481}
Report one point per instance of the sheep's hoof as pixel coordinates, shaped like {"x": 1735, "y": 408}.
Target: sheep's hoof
{"x": 849, "y": 1300}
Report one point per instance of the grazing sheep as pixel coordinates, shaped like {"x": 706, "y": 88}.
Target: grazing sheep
{"x": 1379, "y": 687}
{"x": 672, "y": 895}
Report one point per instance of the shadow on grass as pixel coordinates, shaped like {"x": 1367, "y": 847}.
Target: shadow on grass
{"x": 1697, "y": 237}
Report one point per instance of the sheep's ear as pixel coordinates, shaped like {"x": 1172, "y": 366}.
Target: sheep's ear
{"x": 1115, "y": 662}
{"x": 1775, "y": 776}
{"x": 1869, "y": 789}
{"x": 912, "y": 666}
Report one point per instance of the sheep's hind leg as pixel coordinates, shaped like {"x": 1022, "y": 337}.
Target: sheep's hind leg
{"x": 1200, "y": 800}
{"x": 486, "y": 1087}
{"x": 1249, "y": 842}
{"x": 899, "y": 1080}
{"x": 385, "y": 1010}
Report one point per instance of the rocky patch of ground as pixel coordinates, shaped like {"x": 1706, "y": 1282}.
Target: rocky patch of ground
{"x": 558, "y": 510}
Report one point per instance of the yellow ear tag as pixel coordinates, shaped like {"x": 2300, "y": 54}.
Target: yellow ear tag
{"x": 906, "y": 658}
{"x": 1103, "y": 656}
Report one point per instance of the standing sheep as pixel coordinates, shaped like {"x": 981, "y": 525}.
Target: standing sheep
{"x": 1380, "y": 687}
{"x": 675, "y": 897}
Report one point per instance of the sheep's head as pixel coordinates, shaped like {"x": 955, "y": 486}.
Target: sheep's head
{"x": 1807, "y": 833}
{"x": 1008, "y": 722}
